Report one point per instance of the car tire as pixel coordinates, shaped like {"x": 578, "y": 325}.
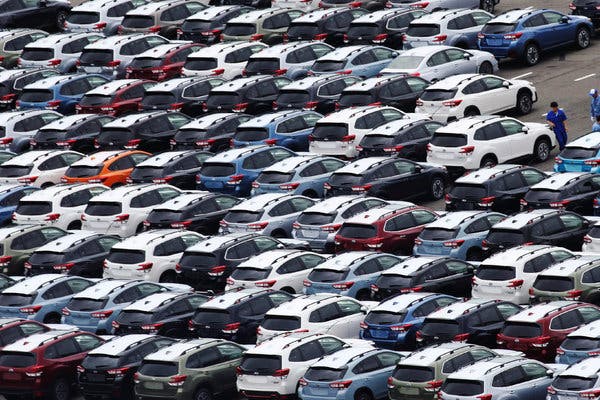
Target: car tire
{"x": 486, "y": 67}
{"x": 472, "y": 112}
{"x": 487, "y": 5}
{"x": 363, "y": 295}
{"x": 46, "y": 185}
{"x": 310, "y": 193}
{"x": 541, "y": 150}
{"x": 363, "y": 394}
{"x": 61, "y": 390}
{"x": 488, "y": 161}
{"x": 74, "y": 225}
{"x": 474, "y": 254}
{"x": 531, "y": 54}
{"x": 524, "y": 103}
{"x": 437, "y": 188}
{"x": 168, "y": 277}
{"x": 52, "y": 318}
{"x": 61, "y": 17}
{"x": 279, "y": 234}
{"x": 583, "y": 38}
{"x": 203, "y": 394}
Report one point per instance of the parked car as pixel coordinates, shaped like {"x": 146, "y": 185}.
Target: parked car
{"x": 111, "y": 168}
{"x": 205, "y": 26}
{"x": 212, "y": 132}
{"x": 580, "y": 155}
{"x": 386, "y": 27}
{"x": 14, "y": 329}
{"x": 39, "y": 168}
{"x": 13, "y": 81}
{"x": 100, "y": 16}
{"x": 266, "y": 25}
{"x": 12, "y": 42}
{"x": 50, "y": 16}
{"x": 363, "y": 61}
{"x": 590, "y": 241}
{"x": 161, "y": 62}
{"x": 434, "y": 5}
{"x": 579, "y": 345}
{"x": 72, "y": 132}
{"x": 160, "y": 17}
{"x": 20, "y": 126}
{"x": 575, "y": 380}
{"x": 9, "y": 200}
{"x": 116, "y": 98}
{"x": 326, "y": 25}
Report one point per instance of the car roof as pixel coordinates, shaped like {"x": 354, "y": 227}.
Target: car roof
{"x": 8, "y": 74}
{"x": 30, "y": 157}
{"x": 453, "y": 81}
{"x": 431, "y": 354}
{"x": 379, "y": 15}
{"x": 124, "y": 192}
{"x": 102, "y": 288}
{"x": 210, "y": 13}
{"x": 151, "y": 302}
{"x": 319, "y": 13}
{"x": 290, "y": 164}
{"x": 309, "y": 81}
{"x": 213, "y": 243}
{"x": 65, "y": 242}
{"x": 347, "y": 114}
{"x": 119, "y": 344}
{"x": 207, "y": 121}
{"x": 341, "y": 358}
{"x": 183, "y": 200}
{"x": 586, "y": 368}
{"x": 269, "y": 259}
{"x": 465, "y": 125}
{"x": 162, "y": 159}
{"x": 482, "y": 175}
{"x": 373, "y": 215}
{"x": 410, "y": 265}
{"x": 373, "y": 82}
{"x": 55, "y": 80}
{"x": 51, "y": 41}
{"x": 402, "y": 302}
{"x": 233, "y": 154}
{"x": 98, "y": 158}
{"x": 277, "y": 345}
{"x": 558, "y": 181}
{"x": 33, "y": 342}
{"x": 67, "y": 121}
{"x": 343, "y": 261}
{"x": 332, "y": 204}
{"x": 255, "y": 15}
{"x": 237, "y": 84}
{"x": 128, "y": 120}
{"x": 425, "y": 51}
{"x": 539, "y": 311}
{"x": 151, "y": 8}
{"x": 519, "y": 220}
{"x": 570, "y": 265}
{"x": 301, "y": 304}
{"x": 160, "y": 51}
{"x": 111, "y": 87}
{"x": 94, "y": 5}
{"x": 483, "y": 367}
{"x": 513, "y": 16}
{"x": 269, "y": 118}
{"x": 258, "y": 202}
{"x": 142, "y": 241}
{"x": 12, "y": 229}
{"x": 225, "y": 300}
{"x": 342, "y": 53}
{"x": 455, "y": 310}
{"x": 587, "y": 141}
{"x": 6, "y": 116}
{"x": 223, "y": 47}
{"x": 441, "y": 15}
{"x": 511, "y": 256}
{"x": 172, "y": 84}
{"x": 111, "y": 42}
{"x": 18, "y": 31}
{"x": 176, "y": 350}
{"x": 32, "y": 283}
{"x": 361, "y": 165}
{"x": 279, "y": 50}
{"x": 590, "y": 330}
{"x": 57, "y": 191}
{"x": 455, "y": 219}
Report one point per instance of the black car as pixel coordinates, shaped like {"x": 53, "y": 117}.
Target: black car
{"x": 79, "y": 254}
{"x": 588, "y": 8}
{"x": 329, "y": 25}
{"x": 249, "y": 3}
{"x": 552, "y": 227}
{"x": 212, "y": 132}
{"x": 500, "y": 188}
{"x": 396, "y": 91}
{"x": 165, "y": 314}
{"x": 253, "y": 95}
{"x": 475, "y": 321}
{"x": 45, "y": 14}
{"x": 208, "y": 264}
{"x": 425, "y": 274}
{"x": 107, "y": 371}
{"x": 177, "y": 168}
{"x": 402, "y": 138}
{"x": 180, "y": 94}
{"x": 14, "y": 81}
{"x": 571, "y": 191}
{"x": 76, "y": 132}
{"x": 383, "y": 28}
{"x": 235, "y": 315}
{"x": 146, "y": 131}
{"x": 318, "y": 93}
{"x": 206, "y": 26}
{"x": 384, "y": 177}
{"x": 200, "y": 212}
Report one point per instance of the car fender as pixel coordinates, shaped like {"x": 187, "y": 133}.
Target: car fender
{"x": 68, "y": 65}
{"x": 111, "y": 28}
{"x": 19, "y": 144}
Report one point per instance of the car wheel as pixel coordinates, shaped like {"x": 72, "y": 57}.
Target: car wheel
{"x": 437, "y": 188}
{"x": 583, "y": 38}
{"x": 472, "y": 112}
{"x": 279, "y": 234}
{"x": 52, "y": 318}
{"x": 310, "y": 193}
{"x": 474, "y": 254}
{"x": 542, "y": 150}
{"x": 363, "y": 295}
{"x": 531, "y": 56}
{"x": 61, "y": 17}
{"x": 61, "y": 390}
{"x": 487, "y": 5}
{"x": 486, "y": 67}
{"x": 74, "y": 225}
{"x": 46, "y": 185}
{"x": 203, "y": 394}
{"x": 488, "y": 162}
{"x": 524, "y": 103}
{"x": 363, "y": 394}
{"x": 168, "y": 277}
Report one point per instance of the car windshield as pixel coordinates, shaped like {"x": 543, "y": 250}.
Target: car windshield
{"x": 145, "y": 62}
{"x": 103, "y": 208}
{"x": 83, "y": 171}
{"x": 234, "y": 29}
{"x": 46, "y": 258}
{"x": 324, "y": 374}
{"x": 542, "y": 195}
{"x": 251, "y": 134}
{"x": 327, "y": 275}
{"x": 303, "y": 29}
{"x": 443, "y": 139}
{"x": 137, "y": 21}
{"x": 384, "y": 317}
{"x": 280, "y": 323}
{"x": 406, "y": 62}
{"x": 205, "y": 316}
{"x": 86, "y": 304}
{"x": 462, "y": 387}
{"x": 438, "y": 234}
{"x": 34, "y": 207}
{"x": 95, "y": 57}
{"x": 468, "y": 191}
{"x": 438, "y": 94}
{"x": 315, "y": 218}
{"x": 259, "y": 364}
{"x": 423, "y": 30}
{"x": 83, "y": 17}
{"x": 16, "y": 359}
{"x": 198, "y": 259}
{"x": 548, "y": 283}
{"x": 273, "y": 177}
{"x": 505, "y": 236}
{"x": 37, "y": 54}
{"x": 126, "y": 256}
{"x": 100, "y": 361}
{"x": 413, "y": 373}
{"x": 15, "y": 299}
{"x": 357, "y": 231}
{"x": 578, "y": 153}
{"x": 13, "y": 171}
{"x": 445, "y": 327}
{"x": 201, "y": 64}
{"x": 328, "y": 65}
{"x": 498, "y": 28}
{"x": 214, "y": 169}
{"x": 328, "y": 131}
{"x": 363, "y": 29}
{"x": 580, "y": 343}
{"x": 349, "y": 98}
{"x": 250, "y": 274}
{"x": 242, "y": 216}
{"x": 262, "y": 65}
{"x": 522, "y": 329}
{"x": 158, "y": 368}
{"x": 293, "y": 96}
{"x": 36, "y": 96}
{"x": 495, "y": 272}
{"x": 95, "y": 99}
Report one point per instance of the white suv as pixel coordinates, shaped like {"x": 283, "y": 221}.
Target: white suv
{"x": 273, "y": 368}
{"x": 150, "y": 256}
{"x": 484, "y": 141}
{"x": 276, "y": 269}
{"x": 122, "y": 211}
{"x": 60, "y": 51}
{"x": 18, "y": 127}
{"x": 509, "y": 274}
{"x": 101, "y": 16}
{"x": 316, "y": 313}
{"x": 41, "y": 168}
{"x": 467, "y": 95}
{"x": 60, "y": 206}
{"x": 591, "y": 241}
{"x": 338, "y": 133}
{"x": 223, "y": 59}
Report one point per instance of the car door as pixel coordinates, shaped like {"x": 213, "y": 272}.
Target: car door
{"x": 65, "y": 355}
{"x": 499, "y": 95}
{"x": 511, "y": 190}
{"x": 493, "y": 139}
{"x": 460, "y": 62}
{"x": 486, "y": 326}
{"x": 561, "y": 33}
{"x": 230, "y": 356}
{"x": 542, "y": 31}
{"x": 437, "y": 67}
{"x": 573, "y": 228}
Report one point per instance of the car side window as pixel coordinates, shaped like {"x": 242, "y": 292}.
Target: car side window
{"x": 423, "y": 217}
{"x": 307, "y": 351}
{"x": 438, "y": 58}
{"x": 571, "y": 221}
{"x": 479, "y": 225}
{"x": 204, "y": 358}
{"x": 567, "y": 320}
{"x": 62, "y": 349}
{"x": 399, "y": 223}
{"x": 474, "y": 87}
{"x": 325, "y": 313}
{"x": 536, "y": 20}
{"x": 128, "y": 295}
{"x": 457, "y": 267}
{"x": 435, "y": 272}
{"x": 589, "y": 314}
{"x": 457, "y": 363}
{"x": 511, "y": 127}
{"x": 507, "y": 309}
{"x": 455, "y": 55}
{"x": 87, "y": 342}
{"x": 510, "y": 377}
{"x": 481, "y": 354}
{"x": 591, "y": 275}
{"x": 369, "y": 364}
{"x": 425, "y": 309}
{"x": 534, "y": 371}
{"x": 552, "y": 17}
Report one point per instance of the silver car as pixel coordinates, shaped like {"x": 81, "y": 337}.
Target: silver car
{"x": 578, "y": 381}
{"x": 435, "y": 5}
{"x": 268, "y": 214}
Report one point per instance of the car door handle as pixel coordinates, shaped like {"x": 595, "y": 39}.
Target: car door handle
{"x": 402, "y": 236}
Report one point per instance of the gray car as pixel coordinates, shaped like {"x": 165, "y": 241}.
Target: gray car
{"x": 579, "y": 381}
{"x": 268, "y": 214}
{"x": 436, "y": 5}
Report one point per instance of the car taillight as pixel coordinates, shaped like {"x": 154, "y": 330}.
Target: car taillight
{"x": 345, "y": 72}
{"x": 340, "y": 385}
{"x": 240, "y": 107}
{"x": 132, "y": 144}
{"x": 447, "y": 199}
{"x": 326, "y": 186}
{"x": 65, "y": 311}
{"x": 542, "y": 341}
{"x": 282, "y": 373}
{"x": 590, "y": 394}
{"x": 462, "y": 337}
{"x": 551, "y": 390}
{"x": 361, "y": 188}
{"x": 231, "y": 328}
{"x": 586, "y": 239}
{"x": 306, "y": 283}
{"x": 258, "y": 226}
{"x": 486, "y": 396}
{"x": 235, "y": 179}
{"x": 270, "y": 142}
{"x": 401, "y": 328}
{"x": 66, "y": 143}
{"x": 165, "y": 179}
{"x": 572, "y": 6}
{"x": 113, "y": 64}
{"x": 176, "y": 106}
{"x": 320, "y": 36}
{"x": 513, "y": 36}
{"x": 102, "y": 314}
{"x": 467, "y": 150}
{"x": 27, "y": 179}
{"x": 35, "y": 371}
{"x": 422, "y": 4}
{"x": 123, "y": 218}
{"x": 265, "y": 284}
{"x": 177, "y": 380}
{"x": 343, "y": 286}
{"x": 289, "y": 186}
{"x": 279, "y": 72}
{"x": 559, "y": 204}
{"x": 5, "y": 260}
{"x": 8, "y": 98}
{"x": 152, "y": 328}
{"x": 455, "y": 244}
{"x": 515, "y": 283}
{"x": 64, "y": 267}
{"x": 331, "y": 228}
{"x": 433, "y": 386}
{"x": 30, "y": 310}
{"x": 348, "y": 138}
{"x": 217, "y": 271}
{"x": 558, "y": 160}
{"x": 345, "y": 38}
{"x": 181, "y": 225}
{"x": 256, "y": 36}
{"x": 53, "y": 104}
{"x": 439, "y": 38}
{"x": 52, "y": 217}
{"x": 375, "y": 243}
{"x": 144, "y": 266}
{"x": 573, "y": 294}
{"x": 486, "y": 201}
{"x": 452, "y": 103}
{"x": 54, "y": 63}
{"x": 302, "y": 382}
{"x": 382, "y": 37}
{"x": 205, "y": 143}
{"x": 99, "y": 26}
{"x": 310, "y": 105}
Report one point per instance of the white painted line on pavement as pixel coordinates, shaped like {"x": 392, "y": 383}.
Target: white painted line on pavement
{"x": 523, "y": 76}
{"x": 584, "y": 77}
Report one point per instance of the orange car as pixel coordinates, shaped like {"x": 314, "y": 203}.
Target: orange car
{"x": 111, "y": 168}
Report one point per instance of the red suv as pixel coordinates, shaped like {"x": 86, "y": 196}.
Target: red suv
{"x": 44, "y": 365}
{"x": 161, "y": 62}
{"x": 539, "y": 330}
{"x": 391, "y": 228}
{"x": 115, "y": 98}
{"x": 13, "y": 329}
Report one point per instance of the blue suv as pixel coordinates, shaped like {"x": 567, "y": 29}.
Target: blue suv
{"x": 349, "y": 274}
{"x": 41, "y": 297}
{"x": 9, "y": 200}
{"x": 457, "y": 235}
{"x": 364, "y": 61}
{"x": 525, "y": 34}
{"x": 395, "y": 322}
{"x": 581, "y": 155}
{"x": 303, "y": 175}
{"x": 59, "y": 93}
{"x": 284, "y": 128}
{"x": 233, "y": 171}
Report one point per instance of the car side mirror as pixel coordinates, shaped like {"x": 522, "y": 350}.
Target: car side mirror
{"x": 506, "y": 84}
{"x": 466, "y": 56}
{"x": 280, "y": 246}
{"x": 564, "y": 19}
{"x": 364, "y": 310}
{"x": 549, "y": 373}
{"x": 418, "y": 169}
{"x": 42, "y": 3}
{"x": 395, "y": 54}
{"x": 525, "y": 129}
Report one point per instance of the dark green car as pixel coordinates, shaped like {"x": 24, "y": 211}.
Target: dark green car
{"x": 197, "y": 369}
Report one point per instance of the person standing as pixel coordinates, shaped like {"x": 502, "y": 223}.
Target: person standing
{"x": 557, "y": 119}
{"x": 594, "y": 104}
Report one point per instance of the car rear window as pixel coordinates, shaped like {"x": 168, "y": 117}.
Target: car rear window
{"x": 95, "y": 100}
{"x": 374, "y": 140}
{"x": 100, "y": 361}
{"x": 302, "y": 29}
{"x": 438, "y": 234}
{"x": 438, "y": 94}
{"x": 197, "y": 25}
{"x": 280, "y": 323}
{"x": 293, "y": 96}
{"x": 146, "y": 172}
{"x": 217, "y": 169}
{"x": 137, "y": 21}
{"x": 505, "y": 236}
{"x": 573, "y": 383}
{"x": 251, "y": 134}
{"x": 384, "y": 317}
{"x": 198, "y": 259}
{"x": 242, "y": 216}
{"x": 82, "y": 171}
{"x": 521, "y": 329}
{"x": 349, "y": 99}
{"x": 328, "y": 65}
{"x": 495, "y": 272}
{"x": 15, "y": 300}
{"x": 446, "y": 327}
{"x": 83, "y": 17}
{"x": 358, "y": 231}
{"x": 36, "y": 54}
{"x": 103, "y": 208}
{"x": 394, "y": 281}
{"x": 323, "y": 374}
{"x": 580, "y": 343}
{"x": 158, "y": 368}
{"x": 259, "y": 364}
{"x": 317, "y": 218}
{"x": 12, "y": 171}
{"x": 344, "y": 179}
{"x": 16, "y": 359}
{"x": 34, "y": 207}
{"x": 462, "y": 387}
{"x": 250, "y": 274}
{"x": 553, "y": 283}
{"x": 423, "y": 30}
{"x": 448, "y": 139}
{"x": 324, "y": 131}
{"x": 123, "y": 256}
{"x": 201, "y": 64}
{"x": 96, "y": 56}
{"x": 145, "y": 62}
{"x": 273, "y": 177}
{"x": 86, "y": 304}
{"x": 207, "y": 316}
{"x": 578, "y": 153}
{"x": 158, "y": 98}
{"x": 413, "y": 373}
{"x": 36, "y": 96}
{"x": 46, "y": 258}
{"x": 363, "y": 29}
{"x": 498, "y": 28}
{"x": 327, "y": 275}
{"x": 164, "y": 215}
{"x": 468, "y": 191}
{"x": 233, "y": 29}
{"x": 135, "y": 317}
{"x": 262, "y": 65}
{"x": 216, "y": 99}
{"x": 542, "y": 195}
